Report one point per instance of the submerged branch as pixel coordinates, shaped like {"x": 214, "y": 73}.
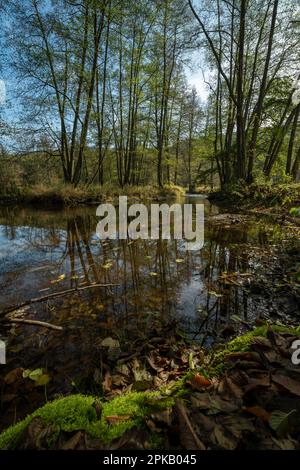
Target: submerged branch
{"x": 34, "y": 322}
{"x": 51, "y": 296}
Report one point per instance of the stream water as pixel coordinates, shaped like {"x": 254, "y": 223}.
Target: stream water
{"x": 240, "y": 276}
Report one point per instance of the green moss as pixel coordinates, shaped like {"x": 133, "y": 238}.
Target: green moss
{"x": 69, "y": 414}
{"x": 242, "y": 344}
{"x": 76, "y": 412}
{"x": 137, "y": 405}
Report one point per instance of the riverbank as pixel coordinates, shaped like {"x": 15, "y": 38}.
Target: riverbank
{"x": 241, "y": 396}
{"x": 64, "y": 195}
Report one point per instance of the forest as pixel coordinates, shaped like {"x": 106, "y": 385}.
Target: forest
{"x": 112, "y": 344}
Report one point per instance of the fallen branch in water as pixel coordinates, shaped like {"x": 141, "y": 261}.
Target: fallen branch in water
{"x": 34, "y": 322}
{"x": 51, "y": 296}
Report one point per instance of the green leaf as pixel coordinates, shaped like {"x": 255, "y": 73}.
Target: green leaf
{"x": 279, "y": 421}
{"x": 42, "y": 380}
{"x": 191, "y": 361}
{"x": 295, "y": 211}
{"x": 33, "y": 374}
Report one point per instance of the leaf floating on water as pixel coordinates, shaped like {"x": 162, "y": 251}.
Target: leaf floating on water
{"x": 179, "y": 260}
{"x": 153, "y": 274}
{"x": 107, "y": 265}
{"x": 59, "y": 279}
{"x": 235, "y": 318}
{"x": 110, "y": 343}
{"x": 215, "y": 294}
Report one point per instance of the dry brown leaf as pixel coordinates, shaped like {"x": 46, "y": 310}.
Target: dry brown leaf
{"x": 116, "y": 419}
{"x": 289, "y": 384}
{"x": 259, "y": 412}
{"x": 73, "y": 442}
{"x": 13, "y": 376}
{"x": 199, "y": 382}
{"x": 107, "y": 383}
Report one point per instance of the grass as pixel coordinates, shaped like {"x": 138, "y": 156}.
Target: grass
{"x": 63, "y": 194}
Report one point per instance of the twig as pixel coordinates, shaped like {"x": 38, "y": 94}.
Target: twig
{"x": 51, "y": 296}
{"x": 34, "y": 322}
{"x": 188, "y": 436}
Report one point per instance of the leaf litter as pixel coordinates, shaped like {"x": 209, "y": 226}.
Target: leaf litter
{"x": 252, "y": 404}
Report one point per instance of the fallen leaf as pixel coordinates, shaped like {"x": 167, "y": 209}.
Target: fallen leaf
{"x": 279, "y": 421}
{"x": 13, "y": 375}
{"x": 223, "y": 439}
{"x": 107, "y": 265}
{"x": 73, "y": 442}
{"x": 259, "y": 412}
{"x": 199, "y": 381}
{"x": 110, "y": 343}
{"x": 215, "y": 294}
{"x": 59, "y": 279}
{"x": 42, "y": 380}
{"x": 33, "y": 374}
{"x": 107, "y": 383}
{"x": 116, "y": 419}
{"x": 289, "y": 384}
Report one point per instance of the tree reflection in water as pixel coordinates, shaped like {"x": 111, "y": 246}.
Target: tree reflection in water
{"x": 158, "y": 283}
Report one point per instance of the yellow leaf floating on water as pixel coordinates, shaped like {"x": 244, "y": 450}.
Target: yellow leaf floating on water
{"x": 215, "y": 294}
{"x": 153, "y": 274}
{"x": 179, "y": 260}
{"x": 107, "y": 265}
{"x": 59, "y": 279}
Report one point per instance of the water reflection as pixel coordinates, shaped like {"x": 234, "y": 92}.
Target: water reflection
{"x": 208, "y": 294}
{"x": 47, "y": 251}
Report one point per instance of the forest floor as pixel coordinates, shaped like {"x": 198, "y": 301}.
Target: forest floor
{"x": 242, "y": 396}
